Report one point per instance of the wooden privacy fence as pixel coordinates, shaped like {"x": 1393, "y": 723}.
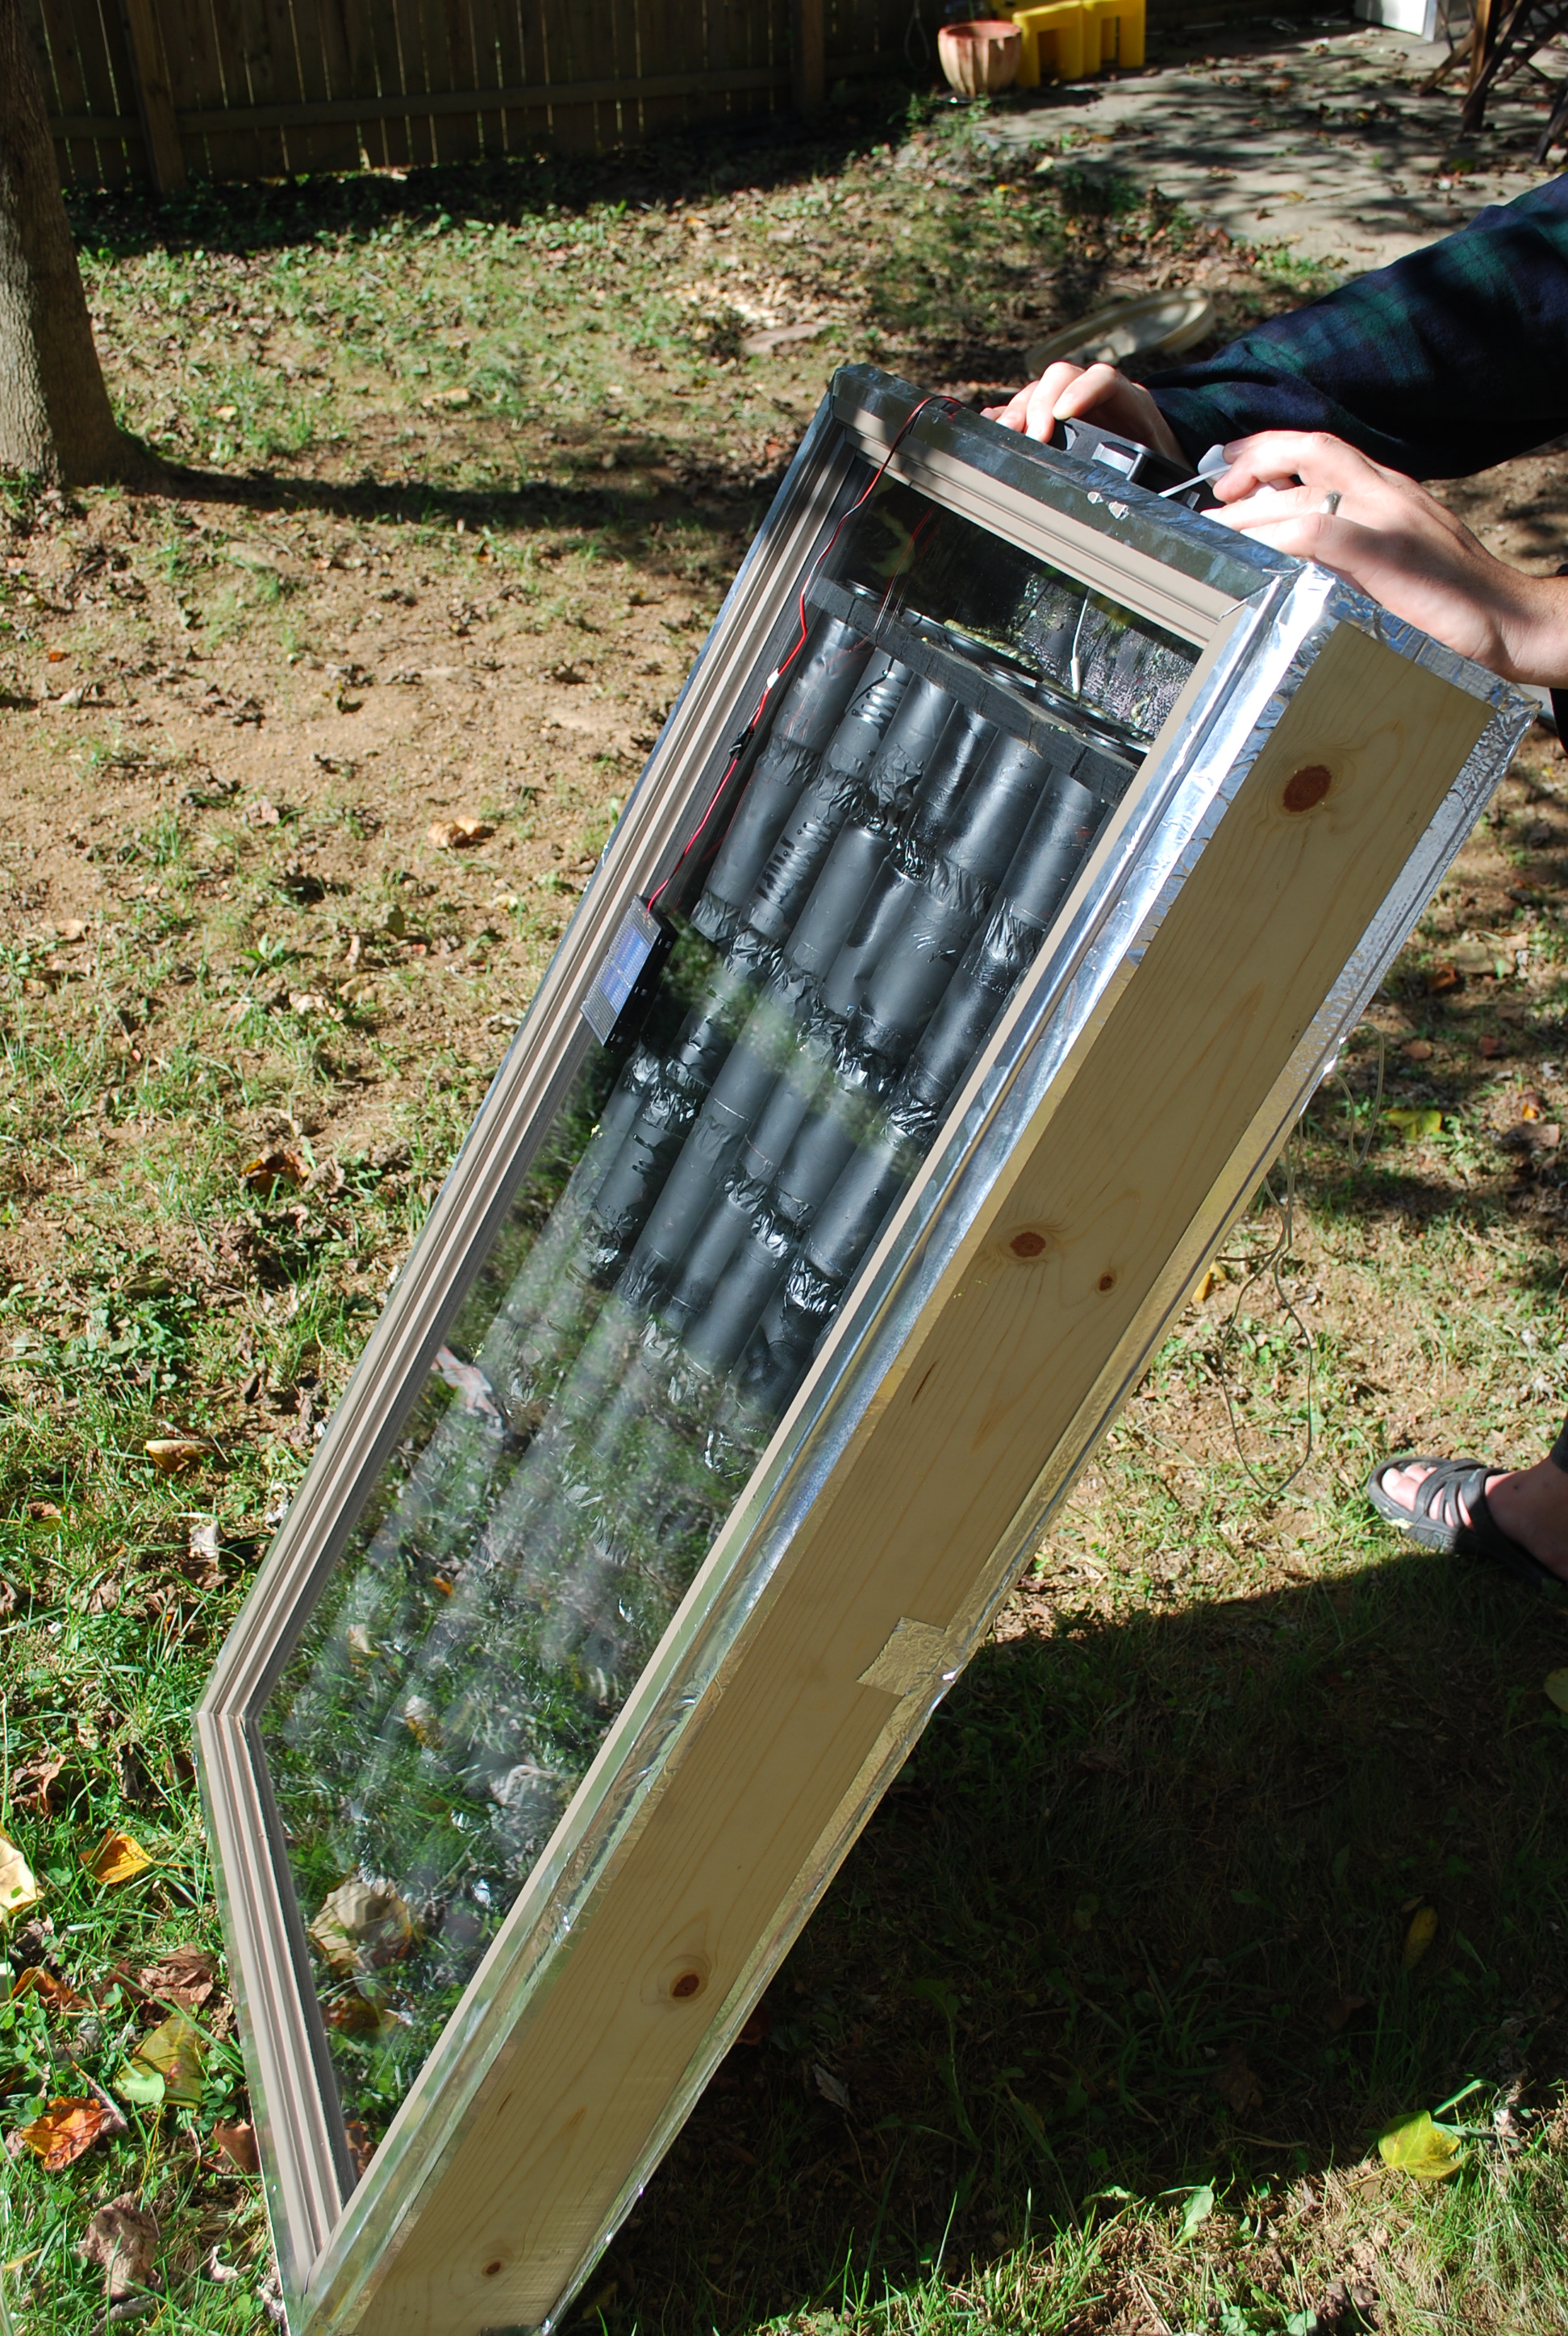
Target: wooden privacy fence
{"x": 248, "y": 89}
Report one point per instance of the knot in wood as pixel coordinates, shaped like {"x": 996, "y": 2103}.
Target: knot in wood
{"x": 1306, "y": 788}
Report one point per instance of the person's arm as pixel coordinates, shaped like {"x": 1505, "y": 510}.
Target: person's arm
{"x": 1438, "y": 365}
{"x": 1399, "y": 544}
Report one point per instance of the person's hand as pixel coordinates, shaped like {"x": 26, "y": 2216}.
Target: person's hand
{"x": 1310, "y": 494}
{"x": 1070, "y": 392}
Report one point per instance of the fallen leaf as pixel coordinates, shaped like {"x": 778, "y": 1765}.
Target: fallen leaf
{"x": 1532, "y": 1105}
{"x": 280, "y": 1164}
{"x": 42, "y": 1511}
{"x": 1532, "y": 1135}
{"x": 1346, "y": 2009}
{"x": 830, "y": 2087}
{"x": 202, "y": 1553}
{"x": 238, "y": 2142}
{"x": 64, "y": 2130}
{"x": 1491, "y": 1045}
{"x": 215, "y": 2267}
{"x": 123, "y": 2237}
{"x": 1423, "y": 1930}
{"x": 1555, "y": 1686}
{"x": 171, "y": 1454}
{"x": 225, "y": 413}
{"x": 175, "y": 2049}
{"x": 456, "y": 834}
{"x": 1416, "y": 2146}
{"x": 1474, "y": 956}
{"x": 1418, "y": 1050}
{"x": 117, "y": 1858}
{"x": 1440, "y": 977}
{"x": 71, "y": 929}
{"x": 358, "y": 1925}
{"x": 30, "y": 1785}
{"x": 1234, "y": 2082}
{"x": 58, "y": 1994}
{"x": 263, "y": 813}
{"x": 454, "y": 397}
{"x": 1415, "y": 1122}
{"x": 17, "y": 1887}
{"x": 185, "y": 1976}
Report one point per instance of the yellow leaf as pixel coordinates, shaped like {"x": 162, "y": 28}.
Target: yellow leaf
{"x": 1416, "y": 1122}
{"x": 169, "y": 1454}
{"x": 17, "y": 1887}
{"x": 117, "y": 1858}
{"x": 1556, "y": 1685}
{"x": 1423, "y": 1930}
{"x": 64, "y": 2130}
{"x": 1416, "y": 2146}
{"x": 175, "y": 2051}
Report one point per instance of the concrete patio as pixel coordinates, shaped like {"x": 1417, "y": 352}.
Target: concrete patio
{"x": 1315, "y": 139}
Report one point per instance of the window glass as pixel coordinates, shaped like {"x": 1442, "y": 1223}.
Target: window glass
{"x": 934, "y": 766}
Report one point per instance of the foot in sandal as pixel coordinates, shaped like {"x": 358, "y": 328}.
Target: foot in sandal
{"x": 1517, "y": 1516}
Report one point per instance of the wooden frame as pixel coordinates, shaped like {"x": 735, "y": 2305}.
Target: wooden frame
{"x": 1267, "y": 855}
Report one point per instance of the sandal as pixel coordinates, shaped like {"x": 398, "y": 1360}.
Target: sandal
{"x": 1437, "y": 1521}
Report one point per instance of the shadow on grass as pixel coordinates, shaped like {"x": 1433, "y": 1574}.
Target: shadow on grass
{"x": 532, "y": 504}
{"x": 1136, "y": 1916}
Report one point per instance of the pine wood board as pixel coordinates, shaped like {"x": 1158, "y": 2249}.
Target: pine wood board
{"x": 1118, "y": 1163}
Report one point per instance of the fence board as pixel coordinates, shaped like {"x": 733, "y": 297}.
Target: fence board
{"x": 449, "y": 58}
{"x": 485, "y": 36}
{"x": 102, "y": 66}
{"x": 674, "y": 40}
{"x": 515, "y": 131}
{"x": 407, "y": 18}
{"x": 354, "y": 42}
{"x": 318, "y": 45}
{"x": 569, "y": 125}
{"x": 242, "y": 40}
{"x": 154, "y": 96}
{"x": 59, "y": 55}
{"x": 192, "y": 50}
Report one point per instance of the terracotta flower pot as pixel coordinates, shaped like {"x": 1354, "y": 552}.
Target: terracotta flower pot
{"x": 981, "y": 58}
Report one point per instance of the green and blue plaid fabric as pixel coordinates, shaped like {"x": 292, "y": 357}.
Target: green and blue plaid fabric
{"x": 1446, "y": 362}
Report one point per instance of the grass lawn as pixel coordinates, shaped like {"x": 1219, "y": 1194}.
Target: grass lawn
{"x": 1248, "y": 1833}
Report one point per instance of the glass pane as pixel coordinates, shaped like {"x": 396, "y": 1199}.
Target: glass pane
{"x": 916, "y": 808}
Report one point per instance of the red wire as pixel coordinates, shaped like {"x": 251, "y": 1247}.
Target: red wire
{"x": 743, "y": 741}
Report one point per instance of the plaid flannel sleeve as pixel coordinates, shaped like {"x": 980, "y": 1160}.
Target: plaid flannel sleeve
{"x": 1446, "y": 362}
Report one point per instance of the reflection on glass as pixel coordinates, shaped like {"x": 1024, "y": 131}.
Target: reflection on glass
{"x": 915, "y": 811}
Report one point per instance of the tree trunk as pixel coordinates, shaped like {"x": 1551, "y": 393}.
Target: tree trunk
{"x": 56, "y": 419}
